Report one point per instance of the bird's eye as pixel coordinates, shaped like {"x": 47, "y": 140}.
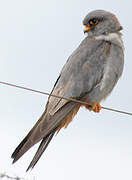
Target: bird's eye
{"x": 93, "y": 21}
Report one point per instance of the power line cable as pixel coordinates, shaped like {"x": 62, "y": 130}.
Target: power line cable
{"x": 69, "y": 99}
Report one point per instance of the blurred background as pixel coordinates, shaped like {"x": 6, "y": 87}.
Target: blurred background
{"x": 36, "y": 38}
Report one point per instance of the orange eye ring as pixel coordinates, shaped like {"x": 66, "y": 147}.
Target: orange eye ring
{"x": 93, "y": 22}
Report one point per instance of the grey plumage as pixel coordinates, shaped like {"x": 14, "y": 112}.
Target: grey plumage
{"x": 90, "y": 73}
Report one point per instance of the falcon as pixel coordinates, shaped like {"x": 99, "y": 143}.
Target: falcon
{"x": 89, "y": 75}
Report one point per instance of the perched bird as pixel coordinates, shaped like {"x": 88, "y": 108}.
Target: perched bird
{"x": 89, "y": 75}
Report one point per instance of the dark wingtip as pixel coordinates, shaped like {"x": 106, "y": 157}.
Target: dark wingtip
{"x": 29, "y": 168}
{"x": 15, "y": 156}
{"x": 14, "y": 159}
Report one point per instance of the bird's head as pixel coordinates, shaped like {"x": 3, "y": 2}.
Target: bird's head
{"x": 100, "y": 22}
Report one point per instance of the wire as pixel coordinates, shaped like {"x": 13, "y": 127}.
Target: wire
{"x": 69, "y": 99}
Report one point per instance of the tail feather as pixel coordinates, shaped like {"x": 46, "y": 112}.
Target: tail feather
{"x": 42, "y": 147}
{"x": 14, "y": 155}
{"x": 43, "y": 130}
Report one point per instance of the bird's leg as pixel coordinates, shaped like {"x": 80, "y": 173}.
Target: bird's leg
{"x": 96, "y": 107}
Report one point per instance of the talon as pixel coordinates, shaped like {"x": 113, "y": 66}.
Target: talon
{"x": 93, "y": 106}
{"x": 96, "y": 107}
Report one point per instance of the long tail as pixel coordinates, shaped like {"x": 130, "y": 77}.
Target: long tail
{"x": 44, "y": 130}
{"x": 43, "y": 145}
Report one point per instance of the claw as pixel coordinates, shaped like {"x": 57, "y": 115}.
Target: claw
{"x": 96, "y": 107}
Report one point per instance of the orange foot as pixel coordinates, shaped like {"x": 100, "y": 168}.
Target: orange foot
{"x": 95, "y": 107}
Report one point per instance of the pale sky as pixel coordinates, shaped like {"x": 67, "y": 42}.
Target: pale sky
{"x": 36, "y": 38}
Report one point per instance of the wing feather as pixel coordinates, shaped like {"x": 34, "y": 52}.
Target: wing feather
{"x": 79, "y": 75}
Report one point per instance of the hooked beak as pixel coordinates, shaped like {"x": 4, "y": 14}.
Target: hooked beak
{"x": 121, "y": 28}
{"x": 86, "y": 28}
